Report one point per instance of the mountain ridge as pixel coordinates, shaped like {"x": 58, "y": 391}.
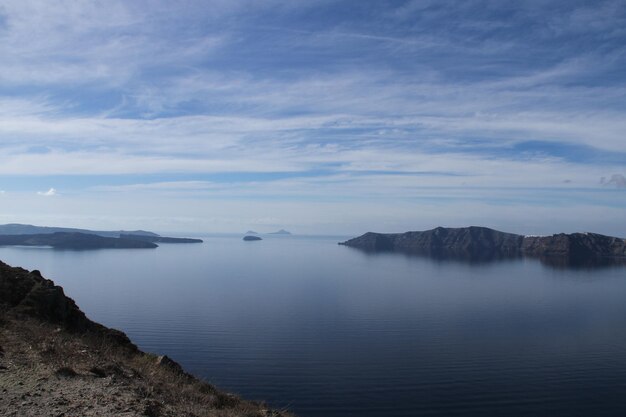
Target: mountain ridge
{"x": 15, "y": 234}
{"x": 75, "y": 241}
{"x": 29, "y": 229}
{"x": 482, "y": 243}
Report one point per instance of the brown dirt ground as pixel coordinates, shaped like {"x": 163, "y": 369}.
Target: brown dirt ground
{"x": 46, "y": 370}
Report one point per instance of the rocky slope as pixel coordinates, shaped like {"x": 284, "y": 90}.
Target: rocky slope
{"x": 481, "y": 243}
{"x": 55, "y": 361}
{"x": 575, "y": 245}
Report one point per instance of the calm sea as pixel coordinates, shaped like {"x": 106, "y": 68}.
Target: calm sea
{"x": 326, "y": 330}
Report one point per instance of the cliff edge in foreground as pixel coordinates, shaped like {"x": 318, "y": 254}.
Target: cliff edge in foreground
{"x": 55, "y": 361}
{"x": 481, "y": 243}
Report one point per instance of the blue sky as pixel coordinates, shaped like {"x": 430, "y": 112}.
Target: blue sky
{"x": 316, "y": 116}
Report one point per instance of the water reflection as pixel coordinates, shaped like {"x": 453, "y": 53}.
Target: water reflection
{"x": 469, "y": 258}
{"x": 323, "y": 331}
{"x": 569, "y": 262}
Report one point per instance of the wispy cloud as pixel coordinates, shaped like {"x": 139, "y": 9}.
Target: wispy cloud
{"x": 50, "y": 193}
{"x": 314, "y": 100}
{"x": 616, "y": 180}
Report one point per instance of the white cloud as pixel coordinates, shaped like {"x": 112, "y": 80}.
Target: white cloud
{"x": 166, "y": 90}
{"x": 51, "y": 192}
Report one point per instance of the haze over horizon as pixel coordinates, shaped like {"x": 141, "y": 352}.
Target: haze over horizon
{"x": 317, "y": 117}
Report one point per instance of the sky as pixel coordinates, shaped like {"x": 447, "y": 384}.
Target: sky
{"x": 320, "y": 117}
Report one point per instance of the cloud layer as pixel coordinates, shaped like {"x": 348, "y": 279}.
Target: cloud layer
{"x": 352, "y": 104}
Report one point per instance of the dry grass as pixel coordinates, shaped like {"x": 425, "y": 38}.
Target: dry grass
{"x": 49, "y": 361}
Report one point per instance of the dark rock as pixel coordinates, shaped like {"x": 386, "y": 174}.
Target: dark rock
{"x": 167, "y": 362}
{"x": 480, "y": 243}
{"x": 24, "y": 293}
{"x": 374, "y": 242}
{"x": 468, "y": 242}
{"x": 153, "y": 409}
{"x": 251, "y": 238}
{"x": 99, "y": 372}
{"x": 575, "y": 245}
{"x": 65, "y": 372}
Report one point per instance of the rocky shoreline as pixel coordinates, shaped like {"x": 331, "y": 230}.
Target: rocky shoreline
{"x": 55, "y": 361}
{"x": 483, "y": 244}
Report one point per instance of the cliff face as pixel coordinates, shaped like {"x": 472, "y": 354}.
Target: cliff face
{"x": 480, "y": 243}
{"x": 373, "y": 242}
{"x": 469, "y": 242}
{"x": 55, "y": 361}
{"x": 576, "y": 246}
{"x": 474, "y": 242}
{"x": 25, "y": 293}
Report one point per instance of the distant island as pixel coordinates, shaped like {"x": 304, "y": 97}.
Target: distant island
{"x": 82, "y": 239}
{"x": 481, "y": 243}
{"x": 251, "y": 232}
{"x": 251, "y": 238}
{"x": 159, "y": 239}
{"x": 280, "y": 232}
{"x": 29, "y": 229}
{"x": 77, "y": 241}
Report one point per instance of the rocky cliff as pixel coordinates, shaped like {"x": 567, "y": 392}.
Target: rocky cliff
{"x": 55, "y": 361}
{"x": 576, "y": 248}
{"x": 481, "y": 243}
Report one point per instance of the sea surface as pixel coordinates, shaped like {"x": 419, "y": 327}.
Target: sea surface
{"x": 327, "y": 330}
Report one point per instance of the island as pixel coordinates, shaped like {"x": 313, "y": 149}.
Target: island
{"x": 280, "y": 232}
{"x": 56, "y": 361}
{"x": 82, "y": 239}
{"x": 160, "y": 239}
{"x": 75, "y": 241}
{"x": 481, "y": 243}
{"x": 251, "y": 238}
{"x": 29, "y": 229}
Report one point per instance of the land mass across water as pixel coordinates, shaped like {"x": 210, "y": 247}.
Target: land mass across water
{"x": 56, "y": 361}
{"x": 280, "y": 232}
{"x": 82, "y": 239}
{"x": 29, "y": 229}
{"x": 484, "y": 244}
